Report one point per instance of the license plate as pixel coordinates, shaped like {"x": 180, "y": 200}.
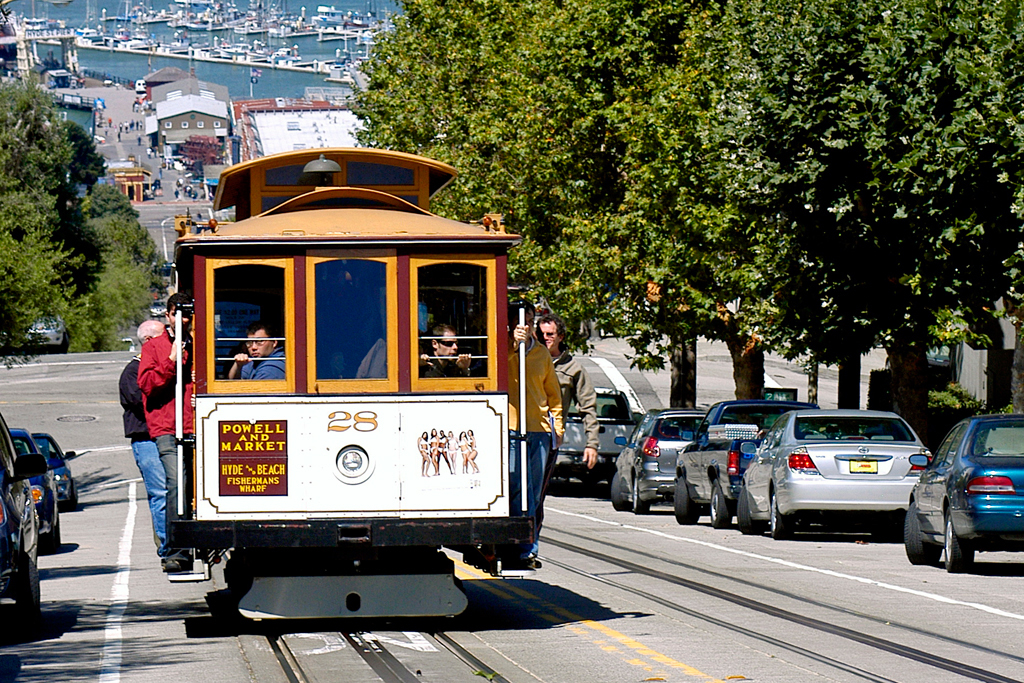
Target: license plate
{"x": 863, "y": 467}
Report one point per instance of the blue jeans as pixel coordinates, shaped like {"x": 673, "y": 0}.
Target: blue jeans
{"x": 538, "y": 445}
{"x": 168, "y": 448}
{"x": 147, "y": 457}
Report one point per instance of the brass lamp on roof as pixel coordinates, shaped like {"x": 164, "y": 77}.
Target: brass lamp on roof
{"x": 319, "y": 172}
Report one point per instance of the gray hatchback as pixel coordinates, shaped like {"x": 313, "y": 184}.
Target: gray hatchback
{"x": 645, "y": 469}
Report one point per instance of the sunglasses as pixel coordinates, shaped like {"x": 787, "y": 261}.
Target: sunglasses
{"x": 447, "y": 342}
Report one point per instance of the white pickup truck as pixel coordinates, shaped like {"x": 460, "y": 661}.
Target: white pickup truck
{"x": 614, "y": 418}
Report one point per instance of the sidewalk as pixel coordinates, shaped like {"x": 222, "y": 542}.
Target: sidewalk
{"x": 119, "y": 100}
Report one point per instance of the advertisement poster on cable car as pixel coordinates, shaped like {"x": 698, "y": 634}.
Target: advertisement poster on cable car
{"x": 297, "y": 457}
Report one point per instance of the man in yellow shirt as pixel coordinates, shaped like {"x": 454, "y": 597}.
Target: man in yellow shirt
{"x": 543, "y": 412}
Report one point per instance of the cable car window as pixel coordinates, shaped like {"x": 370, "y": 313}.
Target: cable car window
{"x": 452, "y": 320}
{"x": 351, "y": 319}
{"x": 284, "y": 175}
{"x": 248, "y": 322}
{"x": 367, "y": 173}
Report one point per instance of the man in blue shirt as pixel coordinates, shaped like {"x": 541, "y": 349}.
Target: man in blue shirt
{"x": 264, "y": 358}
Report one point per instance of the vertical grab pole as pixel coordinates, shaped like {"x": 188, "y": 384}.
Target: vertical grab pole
{"x": 522, "y": 415}
{"x": 179, "y": 408}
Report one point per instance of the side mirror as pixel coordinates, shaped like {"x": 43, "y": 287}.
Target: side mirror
{"x": 70, "y": 455}
{"x": 919, "y": 460}
{"x": 748, "y": 448}
{"x": 687, "y": 435}
{"x": 29, "y": 465}
{"x": 620, "y": 441}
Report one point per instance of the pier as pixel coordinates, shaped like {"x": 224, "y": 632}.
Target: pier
{"x": 202, "y": 55}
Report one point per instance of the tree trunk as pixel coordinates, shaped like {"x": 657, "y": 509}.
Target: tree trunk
{"x": 747, "y": 366}
{"x": 909, "y": 368}
{"x": 849, "y": 382}
{"x": 812, "y": 382}
{"x": 683, "y": 389}
{"x": 1017, "y": 371}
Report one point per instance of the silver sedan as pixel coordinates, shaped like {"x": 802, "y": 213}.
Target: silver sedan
{"x": 828, "y": 466}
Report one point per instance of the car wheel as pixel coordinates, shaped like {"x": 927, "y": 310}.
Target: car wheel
{"x": 746, "y": 524}
{"x": 26, "y": 594}
{"x": 959, "y": 556}
{"x": 64, "y": 344}
{"x": 49, "y": 543}
{"x": 919, "y": 551}
{"x": 779, "y": 524}
{"x": 687, "y": 511}
{"x": 640, "y": 506}
{"x": 720, "y": 517}
{"x": 618, "y": 495}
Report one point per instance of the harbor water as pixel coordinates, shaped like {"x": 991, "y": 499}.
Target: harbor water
{"x": 271, "y": 83}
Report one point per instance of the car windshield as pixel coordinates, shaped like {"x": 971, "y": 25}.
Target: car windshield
{"x": 21, "y": 445}
{"x": 999, "y": 439}
{"x": 672, "y": 428}
{"x": 611, "y": 406}
{"x": 761, "y": 416}
{"x": 820, "y": 427}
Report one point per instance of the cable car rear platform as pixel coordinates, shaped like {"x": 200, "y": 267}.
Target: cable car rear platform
{"x": 334, "y": 533}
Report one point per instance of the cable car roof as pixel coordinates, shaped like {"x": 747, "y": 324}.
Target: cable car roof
{"x": 348, "y": 214}
{"x": 245, "y": 185}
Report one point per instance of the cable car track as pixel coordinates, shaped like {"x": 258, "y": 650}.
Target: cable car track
{"x": 905, "y": 651}
{"x": 387, "y": 667}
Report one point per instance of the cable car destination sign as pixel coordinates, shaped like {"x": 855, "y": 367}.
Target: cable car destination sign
{"x": 253, "y": 458}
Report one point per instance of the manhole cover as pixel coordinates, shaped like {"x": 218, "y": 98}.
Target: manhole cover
{"x": 75, "y": 418}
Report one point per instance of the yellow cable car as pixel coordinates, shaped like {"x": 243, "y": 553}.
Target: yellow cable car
{"x": 367, "y": 426}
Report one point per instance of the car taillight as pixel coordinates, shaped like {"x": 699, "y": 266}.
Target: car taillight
{"x": 987, "y": 486}
{"x": 733, "y": 464}
{"x": 800, "y": 460}
{"x": 650, "y": 448}
{"x": 37, "y": 493}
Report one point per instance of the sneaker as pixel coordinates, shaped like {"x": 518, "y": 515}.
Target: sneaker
{"x": 177, "y": 566}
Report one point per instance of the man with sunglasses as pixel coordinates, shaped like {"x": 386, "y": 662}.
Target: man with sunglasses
{"x": 447, "y": 361}
{"x": 264, "y": 358}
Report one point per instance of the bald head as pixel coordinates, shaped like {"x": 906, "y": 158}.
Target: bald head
{"x": 150, "y": 329}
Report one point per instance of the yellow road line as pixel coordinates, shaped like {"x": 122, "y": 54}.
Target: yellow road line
{"x": 631, "y": 651}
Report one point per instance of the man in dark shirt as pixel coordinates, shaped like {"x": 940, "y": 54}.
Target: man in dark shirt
{"x": 447, "y": 361}
{"x": 147, "y": 457}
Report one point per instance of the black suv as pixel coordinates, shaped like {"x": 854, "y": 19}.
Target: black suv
{"x": 19, "y": 531}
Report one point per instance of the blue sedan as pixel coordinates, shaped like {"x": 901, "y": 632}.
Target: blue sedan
{"x": 57, "y": 460}
{"x": 44, "y": 493}
{"x": 970, "y": 497}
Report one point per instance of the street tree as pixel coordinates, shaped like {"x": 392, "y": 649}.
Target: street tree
{"x": 878, "y": 144}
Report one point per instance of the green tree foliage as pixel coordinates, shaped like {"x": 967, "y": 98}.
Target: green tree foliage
{"x": 881, "y": 157}
{"x": 811, "y": 175}
{"x": 36, "y": 267}
{"x": 95, "y": 270}
{"x": 121, "y": 294}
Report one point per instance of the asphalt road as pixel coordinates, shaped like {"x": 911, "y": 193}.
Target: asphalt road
{"x": 620, "y": 597}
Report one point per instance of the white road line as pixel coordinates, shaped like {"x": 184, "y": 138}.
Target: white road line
{"x": 770, "y": 383}
{"x": 803, "y": 567}
{"x": 83, "y": 451}
{"x": 110, "y": 663}
{"x": 111, "y": 484}
{"x": 619, "y": 382}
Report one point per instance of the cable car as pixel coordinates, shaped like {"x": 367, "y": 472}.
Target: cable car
{"x": 372, "y": 430}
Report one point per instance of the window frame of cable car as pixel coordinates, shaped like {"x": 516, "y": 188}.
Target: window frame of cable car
{"x": 388, "y": 384}
{"x": 488, "y": 382}
{"x": 262, "y": 190}
{"x": 217, "y": 385}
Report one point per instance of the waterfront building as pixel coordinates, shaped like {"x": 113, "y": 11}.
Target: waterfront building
{"x": 187, "y": 108}
{"x": 270, "y": 126}
{"x": 168, "y": 74}
{"x": 131, "y": 177}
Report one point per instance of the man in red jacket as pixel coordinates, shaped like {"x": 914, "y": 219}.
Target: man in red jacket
{"x": 157, "y": 379}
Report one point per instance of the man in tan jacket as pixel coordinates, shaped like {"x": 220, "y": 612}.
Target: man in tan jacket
{"x": 543, "y": 411}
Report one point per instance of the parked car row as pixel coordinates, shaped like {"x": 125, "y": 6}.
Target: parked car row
{"x": 35, "y": 484}
{"x": 791, "y": 467}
